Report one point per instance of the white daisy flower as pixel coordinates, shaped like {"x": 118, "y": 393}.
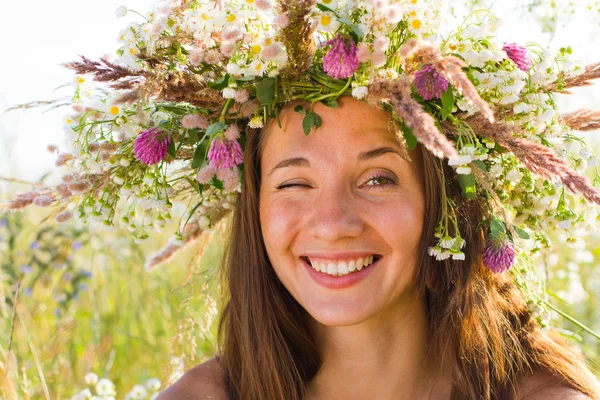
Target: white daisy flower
{"x": 104, "y": 387}
{"x": 91, "y": 378}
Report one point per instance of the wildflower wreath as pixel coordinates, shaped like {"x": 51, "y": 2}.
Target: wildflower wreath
{"x": 165, "y": 121}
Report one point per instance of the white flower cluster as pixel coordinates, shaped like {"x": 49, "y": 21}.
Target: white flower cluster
{"x": 105, "y": 389}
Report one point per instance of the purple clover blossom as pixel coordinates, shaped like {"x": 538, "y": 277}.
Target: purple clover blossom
{"x": 151, "y": 146}
{"x": 498, "y": 257}
{"x": 225, "y": 153}
{"x": 519, "y": 55}
{"x": 341, "y": 61}
{"x": 430, "y": 83}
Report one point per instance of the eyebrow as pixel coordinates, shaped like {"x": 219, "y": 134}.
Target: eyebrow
{"x": 364, "y": 156}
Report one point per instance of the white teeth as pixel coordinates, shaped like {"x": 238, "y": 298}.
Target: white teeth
{"x": 352, "y": 266}
{"x": 323, "y": 267}
{"x": 331, "y": 269}
{"x": 343, "y": 267}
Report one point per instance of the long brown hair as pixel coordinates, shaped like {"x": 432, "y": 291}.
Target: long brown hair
{"x": 479, "y": 322}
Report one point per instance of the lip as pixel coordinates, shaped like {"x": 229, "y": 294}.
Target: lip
{"x": 339, "y": 282}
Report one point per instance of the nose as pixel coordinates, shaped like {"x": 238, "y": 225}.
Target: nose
{"x": 335, "y": 215}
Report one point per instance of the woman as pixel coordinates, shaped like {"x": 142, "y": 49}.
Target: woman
{"x": 402, "y": 327}
{"x": 398, "y": 176}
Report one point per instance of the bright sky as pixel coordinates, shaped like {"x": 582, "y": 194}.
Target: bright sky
{"x": 39, "y": 35}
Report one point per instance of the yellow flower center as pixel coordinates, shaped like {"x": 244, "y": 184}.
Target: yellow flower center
{"x": 69, "y": 121}
{"x": 461, "y": 47}
{"x": 327, "y": 1}
{"x": 325, "y": 20}
{"x": 258, "y": 66}
{"x": 231, "y": 18}
{"x": 256, "y": 49}
{"x": 250, "y": 1}
{"x": 452, "y": 47}
{"x": 268, "y": 41}
{"x": 204, "y": 16}
{"x": 413, "y": 13}
{"x": 80, "y": 79}
{"x": 414, "y": 1}
{"x": 416, "y": 24}
{"x": 114, "y": 110}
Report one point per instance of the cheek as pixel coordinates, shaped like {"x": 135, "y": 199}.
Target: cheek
{"x": 280, "y": 221}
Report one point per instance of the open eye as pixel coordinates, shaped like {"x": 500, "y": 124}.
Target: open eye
{"x": 382, "y": 180}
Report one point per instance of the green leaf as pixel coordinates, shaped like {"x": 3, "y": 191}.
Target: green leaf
{"x": 245, "y": 79}
{"x": 354, "y": 30}
{"x": 171, "y": 149}
{"x": 522, "y": 234}
{"x": 300, "y": 110}
{"x": 447, "y": 103}
{"x": 317, "y": 120}
{"x": 467, "y": 183}
{"x": 164, "y": 124}
{"x": 409, "y": 136}
{"x": 193, "y": 136}
{"x": 497, "y": 228}
{"x": 217, "y": 183}
{"x": 265, "y": 90}
{"x": 311, "y": 119}
{"x": 215, "y": 128}
{"x": 480, "y": 164}
{"x": 333, "y": 103}
{"x": 220, "y": 84}
{"x": 308, "y": 122}
{"x": 198, "y": 157}
{"x": 323, "y": 7}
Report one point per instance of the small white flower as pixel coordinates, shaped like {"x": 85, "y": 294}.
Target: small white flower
{"x": 138, "y": 392}
{"x": 458, "y": 256}
{"x": 592, "y": 161}
{"x": 121, "y": 11}
{"x": 565, "y": 224}
{"x": 447, "y": 242}
{"x": 91, "y": 378}
{"x": 229, "y": 93}
{"x": 153, "y": 384}
{"x": 521, "y": 108}
{"x": 233, "y": 69}
{"x": 360, "y": 91}
{"x": 585, "y": 153}
{"x": 514, "y": 176}
{"x": 105, "y": 387}
{"x": 463, "y": 170}
{"x": 256, "y": 122}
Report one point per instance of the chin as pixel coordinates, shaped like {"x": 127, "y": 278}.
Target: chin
{"x": 340, "y": 313}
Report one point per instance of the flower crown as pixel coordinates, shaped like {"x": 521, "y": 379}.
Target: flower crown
{"x": 165, "y": 121}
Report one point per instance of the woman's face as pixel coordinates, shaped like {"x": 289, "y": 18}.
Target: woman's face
{"x": 340, "y": 195}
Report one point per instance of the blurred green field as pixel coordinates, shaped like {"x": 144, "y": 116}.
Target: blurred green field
{"x": 86, "y": 304}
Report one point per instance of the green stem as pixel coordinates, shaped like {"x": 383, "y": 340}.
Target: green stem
{"x": 336, "y": 94}
{"x": 573, "y": 320}
{"x": 224, "y": 111}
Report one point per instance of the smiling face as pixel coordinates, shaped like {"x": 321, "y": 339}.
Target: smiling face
{"x": 341, "y": 195}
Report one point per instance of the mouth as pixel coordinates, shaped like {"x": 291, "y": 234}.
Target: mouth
{"x": 341, "y": 267}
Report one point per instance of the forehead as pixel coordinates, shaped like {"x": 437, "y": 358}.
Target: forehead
{"x": 351, "y": 128}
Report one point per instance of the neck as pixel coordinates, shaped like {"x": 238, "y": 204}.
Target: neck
{"x": 384, "y": 357}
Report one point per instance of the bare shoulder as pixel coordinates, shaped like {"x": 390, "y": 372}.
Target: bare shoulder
{"x": 544, "y": 386}
{"x": 203, "y": 382}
